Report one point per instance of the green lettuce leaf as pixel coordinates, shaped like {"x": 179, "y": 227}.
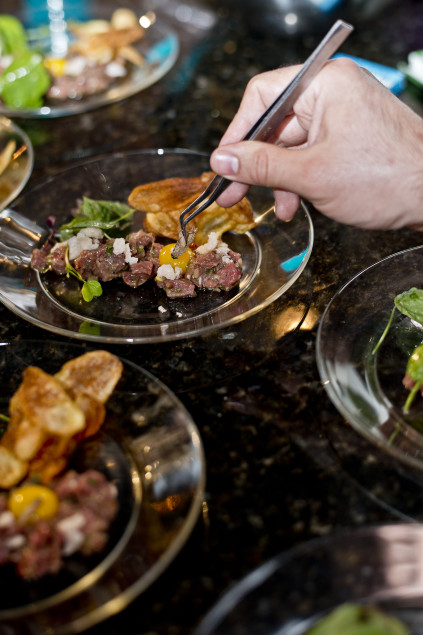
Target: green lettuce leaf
{"x": 13, "y": 37}
{"x": 25, "y": 81}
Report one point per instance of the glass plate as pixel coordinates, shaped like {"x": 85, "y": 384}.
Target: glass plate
{"x": 367, "y": 389}
{"x": 150, "y": 447}
{"x": 14, "y": 178}
{"x": 274, "y": 255}
{"x": 159, "y": 47}
{"x": 288, "y": 594}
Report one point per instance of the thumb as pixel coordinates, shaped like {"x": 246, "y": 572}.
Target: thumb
{"x": 259, "y": 163}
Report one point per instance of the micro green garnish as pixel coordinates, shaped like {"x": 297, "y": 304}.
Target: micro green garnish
{"x": 90, "y": 288}
{"x": 409, "y": 303}
{"x": 415, "y": 371}
{"x": 385, "y": 332}
{"x": 4, "y": 418}
{"x": 104, "y": 215}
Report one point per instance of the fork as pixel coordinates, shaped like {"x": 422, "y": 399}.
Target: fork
{"x": 267, "y": 123}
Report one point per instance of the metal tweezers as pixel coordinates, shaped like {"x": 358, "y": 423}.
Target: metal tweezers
{"x": 266, "y": 125}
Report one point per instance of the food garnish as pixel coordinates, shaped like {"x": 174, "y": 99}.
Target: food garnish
{"x": 357, "y": 619}
{"x": 112, "y": 217}
{"x": 47, "y": 513}
{"x": 409, "y": 303}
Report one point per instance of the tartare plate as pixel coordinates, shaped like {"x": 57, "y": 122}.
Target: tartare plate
{"x": 14, "y": 178}
{"x": 291, "y": 592}
{"x": 365, "y": 387}
{"x": 151, "y": 449}
{"x": 159, "y": 48}
{"x": 274, "y": 255}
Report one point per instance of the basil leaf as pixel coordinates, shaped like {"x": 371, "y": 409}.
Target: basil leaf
{"x": 105, "y": 215}
{"x": 410, "y": 303}
{"x": 103, "y": 210}
{"x": 75, "y": 225}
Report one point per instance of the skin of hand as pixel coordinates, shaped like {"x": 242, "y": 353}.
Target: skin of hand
{"x": 350, "y": 147}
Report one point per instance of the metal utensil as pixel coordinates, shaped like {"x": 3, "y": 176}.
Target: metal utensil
{"x": 265, "y": 126}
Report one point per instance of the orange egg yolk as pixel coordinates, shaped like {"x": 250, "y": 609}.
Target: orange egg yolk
{"x": 165, "y": 257}
{"x": 33, "y": 503}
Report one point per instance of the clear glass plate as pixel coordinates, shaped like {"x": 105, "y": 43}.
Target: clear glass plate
{"x": 159, "y": 47}
{"x": 274, "y": 255}
{"x": 17, "y": 173}
{"x": 367, "y": 388}
{"x": 288, "y": 594}
{"x": 151, "y": 449}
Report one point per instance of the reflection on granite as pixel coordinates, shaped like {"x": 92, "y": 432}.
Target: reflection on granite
{"x": 273, "y": 479}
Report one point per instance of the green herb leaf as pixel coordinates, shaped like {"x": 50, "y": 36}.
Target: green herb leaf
{"x": 91, "y": 289}
{"x": 13, "y": 37}
{"x": 415, "y": 365}
{"x": 25, "y": 81}
{"x": 89, "y": 328}
{"x": 104, "y": 210}
{"x": 355, "y": 619}
{"x": 410, "y": 303}
{"x": 104, "y": 215}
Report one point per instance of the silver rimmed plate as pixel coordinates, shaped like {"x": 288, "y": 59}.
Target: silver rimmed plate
{"x": 150, "y": 448}
{"x": 365, "y": 387}
{"x": 159, "y": 48}
{"x": 18, "y": 170}
{"x": 287, "y": 595}
{"x": 274, "y": 256}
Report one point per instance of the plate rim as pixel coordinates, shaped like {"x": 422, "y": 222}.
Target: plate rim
{"x": 330, "y": 384}
{"x": 251, "y": 581}
{"x": 15, "y": 129}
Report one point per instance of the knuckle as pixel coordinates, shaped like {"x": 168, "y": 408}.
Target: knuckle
{"x": 261, "y": 167}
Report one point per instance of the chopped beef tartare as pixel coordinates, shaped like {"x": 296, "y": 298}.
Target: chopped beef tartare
{"x": 86, "y": 505}
{"x": 137, "y": 258}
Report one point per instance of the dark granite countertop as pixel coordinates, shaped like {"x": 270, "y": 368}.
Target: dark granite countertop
{"x": 274, "y": 479}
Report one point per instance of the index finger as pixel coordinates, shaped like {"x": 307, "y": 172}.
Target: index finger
{"x": 261, "y": 92}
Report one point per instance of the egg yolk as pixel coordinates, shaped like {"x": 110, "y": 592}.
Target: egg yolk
{"x": 55, "y": 66}
{"x": 165, "y": 257}
{"x": 35, "y": 501}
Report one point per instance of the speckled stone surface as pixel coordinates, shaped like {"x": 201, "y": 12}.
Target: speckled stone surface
{"x": 274, "y": 479}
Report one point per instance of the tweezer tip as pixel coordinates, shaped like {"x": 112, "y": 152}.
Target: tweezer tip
{"x": 183, "y": 243}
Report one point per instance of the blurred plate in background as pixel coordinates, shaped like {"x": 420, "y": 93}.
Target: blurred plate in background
{"x": 290, "y": 593}
{"x": 17, "y": 166}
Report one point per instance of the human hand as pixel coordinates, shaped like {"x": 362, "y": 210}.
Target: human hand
{"x": 350, "y": 147}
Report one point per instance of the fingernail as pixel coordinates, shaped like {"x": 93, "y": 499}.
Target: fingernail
{"x": 225, "y": 163}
